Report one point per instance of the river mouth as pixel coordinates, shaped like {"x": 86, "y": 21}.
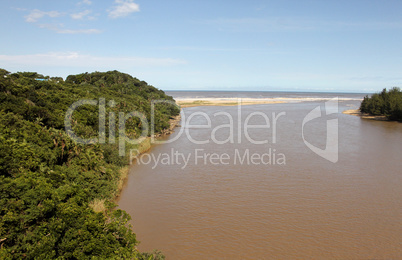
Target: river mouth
{"x": 266, "y": 194}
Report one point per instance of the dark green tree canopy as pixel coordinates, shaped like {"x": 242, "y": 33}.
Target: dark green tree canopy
{"x": 387, "y": 103}
{"x": 48, "y": 182}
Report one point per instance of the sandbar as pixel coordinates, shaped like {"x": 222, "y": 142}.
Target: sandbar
{"x": 356, "y": 112}
{"x": 195, "y": 102}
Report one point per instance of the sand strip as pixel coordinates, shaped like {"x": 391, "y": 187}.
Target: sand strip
{"x": 356, "y": 112}
{"x": 234, "y": 101}
{"x": 194, "y": 102}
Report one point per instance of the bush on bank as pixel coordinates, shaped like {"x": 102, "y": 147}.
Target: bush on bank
{"x": 387, "y": 103}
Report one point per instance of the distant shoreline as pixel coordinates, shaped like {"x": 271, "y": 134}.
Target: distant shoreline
{"x": 195, "y": 102}
{"x": 234, "y": 101}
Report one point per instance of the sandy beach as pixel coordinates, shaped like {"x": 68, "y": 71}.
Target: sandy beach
{"x": 356, "y": 112}
{"x": 234, "y": 101}
{"x": 194, "y": 102}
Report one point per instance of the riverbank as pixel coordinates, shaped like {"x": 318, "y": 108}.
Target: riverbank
{"x": 195, "y": 102}
{"x": 143, "y": 147}
{"x": 173, "y": 123}
{"x": 356, "y": 112}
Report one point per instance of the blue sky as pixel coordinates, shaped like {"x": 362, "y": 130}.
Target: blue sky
{"x": 348, "y": 46}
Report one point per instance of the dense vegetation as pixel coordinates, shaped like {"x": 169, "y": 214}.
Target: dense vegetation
{"x": 50, "y": 186}
{"x": 387, "y": 103}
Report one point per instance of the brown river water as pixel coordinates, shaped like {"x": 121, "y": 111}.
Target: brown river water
{"x": 262, "y": 193}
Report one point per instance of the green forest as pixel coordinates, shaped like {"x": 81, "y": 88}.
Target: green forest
{"x": 385, "y": 103}
{"x": 51, "y": 186}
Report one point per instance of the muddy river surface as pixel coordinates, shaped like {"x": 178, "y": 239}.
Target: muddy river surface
{"x": 274, "y": 181}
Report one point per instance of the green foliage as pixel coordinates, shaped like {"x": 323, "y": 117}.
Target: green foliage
{"x": 155, "y": 255}
{"x": 48, "y": 181}
{"x": 387, "y": 103}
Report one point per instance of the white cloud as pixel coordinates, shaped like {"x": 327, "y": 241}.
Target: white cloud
{"x": 79, "y": 31}
{"x": 60, "y": 29}
{"x": 36, "y": 14}
{"x": 366, "y": 79}
{"x": 123, "y": 8}
{"x": 291, "y": 24}
{"x": 273, "y": 24}
{"x": 85, "y": 2}
{"x": 88, "y": 62}
{"x": 81, "y": 15}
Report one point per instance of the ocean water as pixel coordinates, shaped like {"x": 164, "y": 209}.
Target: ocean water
{"x": 266, "y": 182}
{"x": 262, "y": 94}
